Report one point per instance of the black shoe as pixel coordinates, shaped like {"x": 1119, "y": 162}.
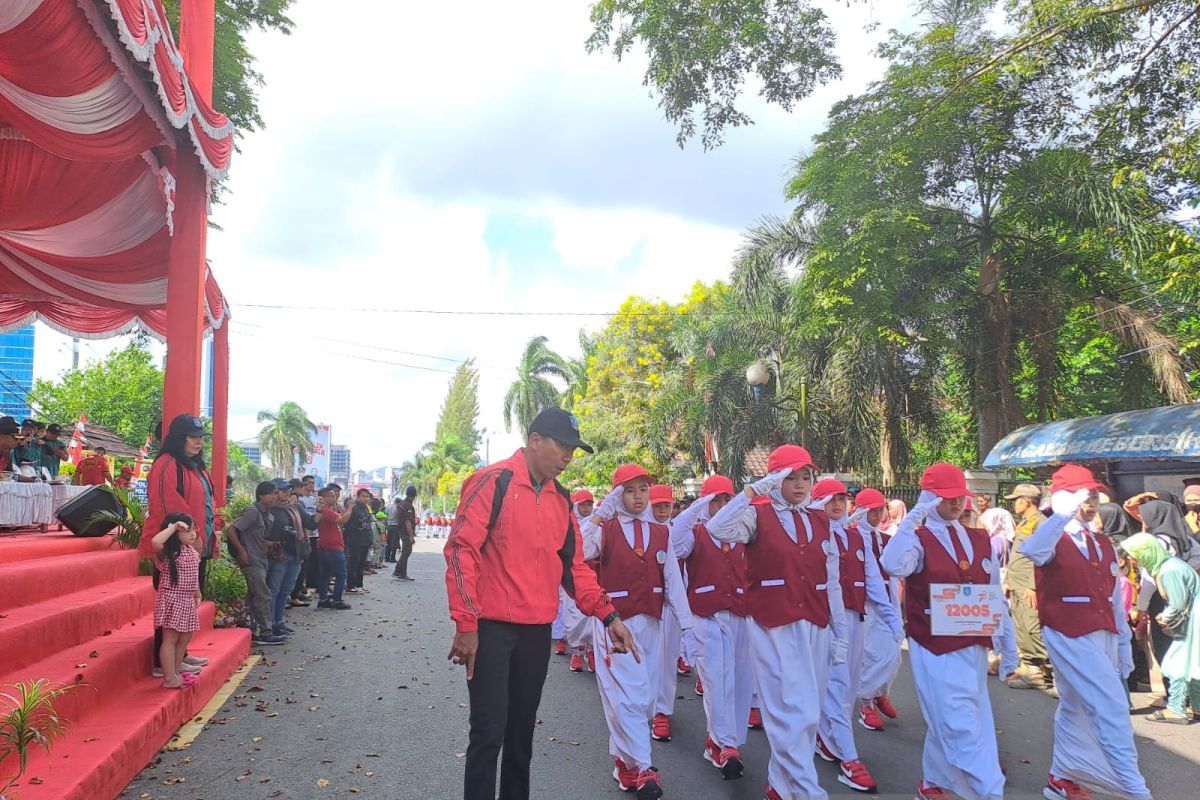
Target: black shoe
{"x": 340, "y": 606}
{"x": 325, "y": 604}
{"x": 268, "y": 639}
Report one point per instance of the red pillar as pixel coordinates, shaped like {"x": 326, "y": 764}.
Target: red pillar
{"x": 185, "y": 272}
{"x": 220, "y": 411}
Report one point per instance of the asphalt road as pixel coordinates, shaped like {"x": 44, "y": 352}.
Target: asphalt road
{"x": 363, "y": 703}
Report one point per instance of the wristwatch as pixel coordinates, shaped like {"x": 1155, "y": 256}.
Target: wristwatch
{"x": 611, "y": 618}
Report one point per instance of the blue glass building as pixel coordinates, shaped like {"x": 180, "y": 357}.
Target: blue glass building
{"x": 16, "y": 372}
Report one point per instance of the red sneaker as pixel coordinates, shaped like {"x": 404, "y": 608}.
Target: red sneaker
{"x": 712, "y": 752}
{"x": 869, "y": 718}
{"x": 626, "y": 777}
{"x": 884, "y": 704}
{"x": 591, "y": 660}
{"x": 755, "y": 723}
{"x": 855, "y": 775}
{"x": 649, "y": 785}
{"x": 576, "y": 662}
{"x": 823, "y": 751}
{"x": 699, "y": 687}
{"x": 731, "y": 763}
{"x": 1063, "y": 789}
{"x": 682, "y": 667}
{"x": 660, "y": 730}
{"x": 560, "y": 648}
{"x": 927, "y": 792}
{"x": 771, "y": 794}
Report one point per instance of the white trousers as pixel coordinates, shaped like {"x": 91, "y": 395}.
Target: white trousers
{"x": 557, "y": 629}
{"x": 1093, "y": 735}
{"x": 839, "y": 702}
{"x": 628, "y": 689}
{"x": 960, "y": 745}
{"x": 577, "y": 628}
{"x": 668, "y": 680}
{"x": 881, "y": 653}
{"x": 791, "y": 668}
{"x": 724, "y": 655}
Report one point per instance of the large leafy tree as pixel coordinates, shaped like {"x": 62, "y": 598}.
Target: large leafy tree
{"x": 999, "y": 229}
{"x": 287, "y": 436}
{"x": 460, "y": 410}
{"x": 236, "y": 81}
{"x": 533, "y": 390}
{"x": 123, "y": 392}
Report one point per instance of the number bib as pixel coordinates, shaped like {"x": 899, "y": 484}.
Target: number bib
{"x": 965, "y": 609}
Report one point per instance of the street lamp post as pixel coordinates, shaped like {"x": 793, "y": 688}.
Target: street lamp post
{"x": 758, "y": 375}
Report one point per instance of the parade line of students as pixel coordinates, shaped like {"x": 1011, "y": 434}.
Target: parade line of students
{"x": 792, "y": 607}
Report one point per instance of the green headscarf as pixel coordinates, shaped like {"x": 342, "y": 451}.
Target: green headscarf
{"x": 1148, "y": 551}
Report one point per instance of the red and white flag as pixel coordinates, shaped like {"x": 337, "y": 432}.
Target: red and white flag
{"x": 75, "y": 447}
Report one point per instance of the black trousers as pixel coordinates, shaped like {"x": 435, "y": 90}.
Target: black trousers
{"x": 510, "y": 670}
{"x": 356, "y": 560}
{"x": 311, "y": 573}
{"x": 393, "y": 542}
{"x": 406, "y": 549}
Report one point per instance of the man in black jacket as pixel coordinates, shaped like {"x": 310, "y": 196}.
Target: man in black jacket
{"x": 406, "y": 517}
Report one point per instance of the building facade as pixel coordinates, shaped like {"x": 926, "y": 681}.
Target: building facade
{"x": 16, "y": 372}
{"x": 339, "y": 464}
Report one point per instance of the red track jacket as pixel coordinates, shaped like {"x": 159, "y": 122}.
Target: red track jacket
{"x": 512, "y": 574}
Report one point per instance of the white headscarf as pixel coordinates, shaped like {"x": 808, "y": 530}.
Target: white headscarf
{"x": 999, "y": 523}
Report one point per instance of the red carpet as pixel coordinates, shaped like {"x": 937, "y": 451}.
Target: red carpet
{"x": 75, "y": 611}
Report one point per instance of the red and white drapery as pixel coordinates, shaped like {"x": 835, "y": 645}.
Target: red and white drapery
{"x": 108, "y": 151}
{"x": 94, "y": 104}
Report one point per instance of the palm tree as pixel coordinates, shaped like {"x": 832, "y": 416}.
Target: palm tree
{"x": 287, "y": 436}
{"x": 577, "y": 369}
{"x": 533, "y": 391}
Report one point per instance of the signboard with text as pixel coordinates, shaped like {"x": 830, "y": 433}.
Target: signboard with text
{"x": 318, "y": 460}
{"x": 965, "y": 609}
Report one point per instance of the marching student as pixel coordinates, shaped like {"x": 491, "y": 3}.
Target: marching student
{"x": 640, "y": 574}
{"x": 569, "y": 617}
{"x": 797, "y": 625}
{"x": 881, "y": 651}
{"x": 662, "y": 506}
{"x": 1087, "y": 635}
{"x": 950, "y": 672}
{"x": 862, "y": 587}
{"x": 717, "y": 578}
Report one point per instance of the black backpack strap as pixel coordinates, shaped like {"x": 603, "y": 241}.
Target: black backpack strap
{"x": 179, "y": 478}
{"x": 566, "y": 553}
{"x": 501, "y": 489}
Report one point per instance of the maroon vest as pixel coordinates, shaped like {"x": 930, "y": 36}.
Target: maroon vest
{"x": 852, "y": 568}
{"x": 787, "y": 579}
{"x": 1074, "y": 596}
{"x": 716, "y": 576}
{"x": 941, "y": 567}
{"x": 634, "y": 583}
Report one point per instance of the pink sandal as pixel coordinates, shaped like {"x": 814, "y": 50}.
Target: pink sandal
{"x": 189, "y": 679}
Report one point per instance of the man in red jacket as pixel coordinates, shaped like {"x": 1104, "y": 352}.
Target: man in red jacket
{"x": 513, "y": 543}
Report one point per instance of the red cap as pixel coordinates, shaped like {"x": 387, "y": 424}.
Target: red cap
{"x": 627, "y": 472}
{"x": 716, "y": 484}
{"x": 945, "y": 480}
{"x": 789, "y": 455}
{"x": 1071, "y": 477}
{"x": 583, "y": 496}
{"x": 661, "y": 493}
{"x": 828, "y": 488}
{"x": 870, "y": 498}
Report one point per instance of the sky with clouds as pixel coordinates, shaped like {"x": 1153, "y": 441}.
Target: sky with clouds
{"x": 465, "y": 157}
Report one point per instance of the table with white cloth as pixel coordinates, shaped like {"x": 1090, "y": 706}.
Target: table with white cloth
{"x": 26, "y": 504}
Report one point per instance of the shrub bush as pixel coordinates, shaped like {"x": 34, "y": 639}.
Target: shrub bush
{"x": 225, "y": 584}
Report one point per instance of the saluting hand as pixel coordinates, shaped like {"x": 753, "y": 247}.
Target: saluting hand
{"x": 463, "y": 650}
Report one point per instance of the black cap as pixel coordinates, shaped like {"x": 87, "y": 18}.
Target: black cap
{"x": 28, "y": 423}
{"x": 55, "y": 428}
{"x": 9, "y": 426}
{"x": 561, "y": 426}
{"x": 282, "y": 484}
{"x": 187, "y": 425}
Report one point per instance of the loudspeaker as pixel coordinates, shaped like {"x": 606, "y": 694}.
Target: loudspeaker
{"x": 78, "y": 513}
